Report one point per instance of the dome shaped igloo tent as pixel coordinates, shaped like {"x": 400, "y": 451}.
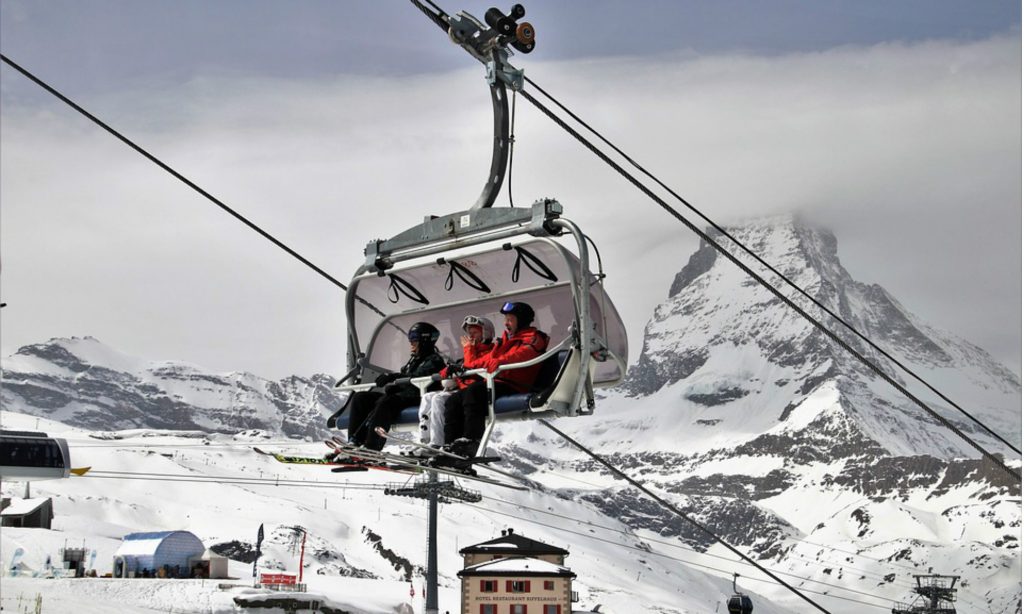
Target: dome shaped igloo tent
{"x": 146, "y": 553}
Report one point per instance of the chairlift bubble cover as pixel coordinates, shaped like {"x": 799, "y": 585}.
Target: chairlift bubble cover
{"x": 383, "y": 340}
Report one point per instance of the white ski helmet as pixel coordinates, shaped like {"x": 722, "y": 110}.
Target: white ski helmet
{"x": 484, "y": 323}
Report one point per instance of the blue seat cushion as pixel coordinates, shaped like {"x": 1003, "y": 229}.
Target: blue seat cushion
{"x": 502, "y": 405}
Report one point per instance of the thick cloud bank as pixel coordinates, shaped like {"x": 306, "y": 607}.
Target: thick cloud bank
{"x": 910, "y": 153}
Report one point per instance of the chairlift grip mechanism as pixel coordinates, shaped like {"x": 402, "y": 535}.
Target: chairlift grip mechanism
{"x": 439, "y": 234}
{"x": 489, "y": 46}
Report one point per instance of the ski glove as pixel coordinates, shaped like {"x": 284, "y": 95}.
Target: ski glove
{"x": 386, "y": 378}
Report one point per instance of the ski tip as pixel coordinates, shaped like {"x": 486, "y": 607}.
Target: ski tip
{"x": 80, "y": 471}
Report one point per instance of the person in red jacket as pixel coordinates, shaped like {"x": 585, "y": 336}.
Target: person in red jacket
{"x": 466, "y": 411}
{"x": 477, "y": 344}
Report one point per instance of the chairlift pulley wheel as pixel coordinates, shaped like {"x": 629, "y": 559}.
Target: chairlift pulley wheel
{"x": 525, "y": 33}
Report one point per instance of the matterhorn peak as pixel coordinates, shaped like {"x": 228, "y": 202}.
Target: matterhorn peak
{"x": 722, "y": 339}
{"x": 788, "y": 242}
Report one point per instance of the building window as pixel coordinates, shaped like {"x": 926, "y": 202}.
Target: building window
{"x": 517, "y": 586}
{"x": 552, "y": 609}
{"x": 549, "y": 585}
{"x": 488, "y": 608}
{"x": 517, "y": 609}
{"x": 488, "y": 586}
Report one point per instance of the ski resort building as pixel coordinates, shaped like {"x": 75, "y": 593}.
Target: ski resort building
{"x": 513, "y": 574}
{"x": 163, "y": 554}
{"x": 34, "y": 513}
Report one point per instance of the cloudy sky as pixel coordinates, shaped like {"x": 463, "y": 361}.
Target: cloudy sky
{"x": 329, "y": 123}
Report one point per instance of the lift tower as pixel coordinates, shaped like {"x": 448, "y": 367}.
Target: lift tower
{"x": 935, "y": 595}
{"x": 434, "y": 491}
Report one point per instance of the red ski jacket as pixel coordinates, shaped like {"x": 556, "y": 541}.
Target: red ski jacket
{"x": 473, "y": 357}
{"x": 525, "y": 344}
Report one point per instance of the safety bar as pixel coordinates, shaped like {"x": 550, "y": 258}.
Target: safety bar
{"x": 490, "y": 377}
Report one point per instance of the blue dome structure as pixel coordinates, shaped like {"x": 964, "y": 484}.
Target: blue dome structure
{"x": 147, "y": 553}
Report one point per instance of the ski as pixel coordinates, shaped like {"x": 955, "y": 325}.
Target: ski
{"x": 337, "y": 466}
{"x": 406, "y": 461}
{"x": 461, "y": 461}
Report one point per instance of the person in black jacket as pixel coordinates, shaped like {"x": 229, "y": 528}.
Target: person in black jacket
{"x": 381, "y": 406}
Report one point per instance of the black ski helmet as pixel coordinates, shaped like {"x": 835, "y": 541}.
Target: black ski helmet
{"x": 424, "y": 332}
{"x": 523, "y": 313}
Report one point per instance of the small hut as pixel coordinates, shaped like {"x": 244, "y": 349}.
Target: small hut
{"x": 208, "y": 565}
{"x": 27, "y": 513}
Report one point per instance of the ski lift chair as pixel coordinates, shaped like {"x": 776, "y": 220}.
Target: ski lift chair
{"x": 429, "y": 273}
{"x": 31, "y": 455}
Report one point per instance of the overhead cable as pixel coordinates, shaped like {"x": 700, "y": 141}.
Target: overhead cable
{"x": 235, "y": 480}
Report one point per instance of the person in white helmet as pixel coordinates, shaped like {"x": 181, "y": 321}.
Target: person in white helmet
{"x": 477, "y": 344}
{"x": 466, "y": 412}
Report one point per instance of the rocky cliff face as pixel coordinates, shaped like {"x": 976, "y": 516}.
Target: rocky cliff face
{"x": 82, "y": 382}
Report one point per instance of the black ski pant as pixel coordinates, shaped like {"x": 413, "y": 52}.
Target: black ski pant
{"x": 372, "y": 409}
{"x": 465, "y": 412}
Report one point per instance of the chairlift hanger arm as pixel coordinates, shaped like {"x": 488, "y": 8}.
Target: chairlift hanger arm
{"x": 488, "y": 42}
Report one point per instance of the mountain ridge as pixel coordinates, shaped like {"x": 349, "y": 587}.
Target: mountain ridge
{"x": 79, "y": 380}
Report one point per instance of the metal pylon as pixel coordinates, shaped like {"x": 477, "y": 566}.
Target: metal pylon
{"x": 435, "y": 491}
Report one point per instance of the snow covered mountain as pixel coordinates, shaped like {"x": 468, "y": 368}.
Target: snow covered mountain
{"x": 81, "y": 381}
{"x": 728, "y": 338}
{"x": 738, "y": 412}
{"x": 782, "y": 443}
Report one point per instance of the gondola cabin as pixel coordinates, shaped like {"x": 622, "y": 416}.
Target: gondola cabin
{"x": 29, "y": 455}
{"x": 472, "y": 263}
{"x": 740, "y": 604}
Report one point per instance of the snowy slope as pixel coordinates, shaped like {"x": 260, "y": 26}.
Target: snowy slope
{"x": 646, "y": 569}
{"x": 122, "y": 494}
